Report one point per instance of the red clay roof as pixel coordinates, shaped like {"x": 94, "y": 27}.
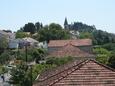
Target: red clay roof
{"x": 52, "y": 72}
{"x": 69, "y": 50}
{"x": 78, "y": 42}
{"x": 85, "y": 73}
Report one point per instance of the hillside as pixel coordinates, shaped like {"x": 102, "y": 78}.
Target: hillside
{"x": 99, "y": 37}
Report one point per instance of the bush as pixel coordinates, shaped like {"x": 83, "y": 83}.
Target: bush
{"x": 102, "y": 58}
{"x": 102, "y": 55}
{"x": 38, "y": 68}
{"x": 58, "y": 61}
{"x": 111, "y": 61}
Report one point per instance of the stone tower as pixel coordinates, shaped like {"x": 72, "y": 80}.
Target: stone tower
{"x": 66, "y": 26}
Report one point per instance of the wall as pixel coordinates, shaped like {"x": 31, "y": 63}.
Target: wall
{"x": 88, "y": 49}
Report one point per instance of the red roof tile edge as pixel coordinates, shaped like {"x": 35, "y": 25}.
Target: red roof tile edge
{"x": 74, "y": 68}
{"x": 86, "y": 42}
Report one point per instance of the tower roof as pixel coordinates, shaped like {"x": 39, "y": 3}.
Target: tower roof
{"x": 65, "y": 22}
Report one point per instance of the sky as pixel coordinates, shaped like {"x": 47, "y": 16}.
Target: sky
{"x": 15, "y": 13}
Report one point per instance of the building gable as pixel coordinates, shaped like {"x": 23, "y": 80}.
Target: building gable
{"x": 85, "y": 73}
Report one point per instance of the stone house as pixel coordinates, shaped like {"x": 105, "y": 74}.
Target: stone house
{"x": 8, "y": 35}
{"x": 32, "y": 42}
{"x": 74, "y": 48}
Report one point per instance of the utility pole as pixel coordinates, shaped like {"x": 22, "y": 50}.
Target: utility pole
{"x": 26, "y": 52}
{"x": 31, "y": 75}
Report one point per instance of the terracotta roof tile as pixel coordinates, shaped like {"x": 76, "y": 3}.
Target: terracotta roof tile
{"x": 78, "y": 42}
{"x": 51, "y": 72}
{"x": 85, "y": 73}
{"x": 69, "y": 50}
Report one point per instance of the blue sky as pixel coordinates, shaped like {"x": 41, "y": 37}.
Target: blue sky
{"x": 15, "y": 13}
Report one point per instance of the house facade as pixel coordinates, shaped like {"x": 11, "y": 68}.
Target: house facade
{"x": 8, "y": 35}
{"x": 32, "y": 42}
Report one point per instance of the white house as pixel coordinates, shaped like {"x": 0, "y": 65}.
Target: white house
{"x": 43, "y": 45}
{"x": 16, "y": 43}
{"x": 13, "y": 44}
{"x": 31, "y": 41}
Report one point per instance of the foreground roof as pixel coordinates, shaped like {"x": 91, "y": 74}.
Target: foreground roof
{"x": 77, "y": 42}
{"x": 69, "y": 50}
{"x": 83, "y": 73}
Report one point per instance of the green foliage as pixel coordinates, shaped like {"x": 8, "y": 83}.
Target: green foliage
{"x": 38, "y": 26}
{"x": 102, "y": 55}
{"x": 84, "y": 35}
{"x": 53, "y": 32}
{"x": 39, "y": 68}
{"x": 22, "y": 35}
{"x": 20, "y": 76}
{"x": 21, "y": 55}
{"x": 5, "y": 57}
{"x": 3, "y": 42}
{"x": 102, "y": 37}
{"x": 109, "y": 46}
{"x": 99, "y": 37}
{"x": 3, "y": 69}
{"x": 78, "y": 26}
{"x": 111, "y": 61}
{"x": 58, "y": 61}
{"x": 102, "y": 58}
{"x": 101, "y": 51}
{"x": 32, "y": 54}
{"x": 30, "y": 27}
{"x": 38, "y": 54}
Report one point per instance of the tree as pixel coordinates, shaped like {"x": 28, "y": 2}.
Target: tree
{"x": 38, "y": 26}
{"x": 38, "y": 54}
{"x": 84, "y": 35}
{"x": 109, "y": 46}
{"x": 22, "y": 34}
{"x": 102, "y": 37}
{"x": 30, "y": 27}
{"x": 3, "y": 42}
{"x": 102, "y": 55}
{"x": 111, "y": 61}
{"x": 53, "y": 32}
{"x": 21, "y": 75}
{"x": 79, "y": 26}
{"x": 5, "y": 57}
{"x": 22, "y": 55}
{"x": 58, "y": 61}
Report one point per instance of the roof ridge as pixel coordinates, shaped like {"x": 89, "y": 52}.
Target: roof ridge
{"x": 82, "y": 61}
{"x": 57, "y": 77}
{"x": 71, "y": 46}
{"x": 74, "y": 69}
{"x": 72, "y": 39}
{"x": 61, "y": 71}
{"x": 82, "y": 64}
{"x": 69, "y": 43}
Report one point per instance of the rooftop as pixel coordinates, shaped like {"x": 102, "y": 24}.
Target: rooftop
{"x": 83, "y": 73}
{"x": 77, "y": 42}
{"x": 69, "y": 50}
